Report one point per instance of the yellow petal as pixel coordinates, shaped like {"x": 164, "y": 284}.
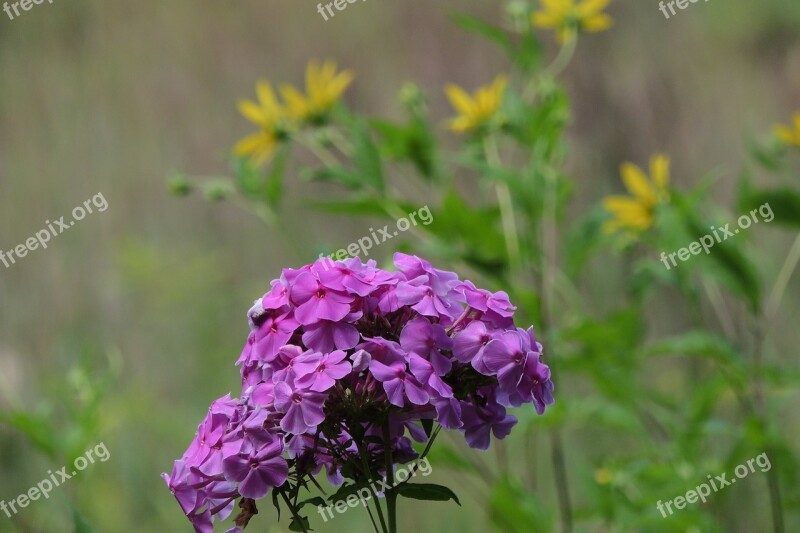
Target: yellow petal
{"x": 295, "y": 101}
{"x": 541, "y": 19}
{"x": 597, "y": 23}
{"x": 252, "y": 112}
{"x": 557, "y": 5}
{"x": 636, "y": 182}
{"x": 250, "y": 144}
{"x": 797, "y": 122}
{"x": 785, "y": 134}
{"x": 588, "y": 8}
{"x": 267, "y": 98}
{"x": 659, "y": 172}
{"x": 459, "y": 99}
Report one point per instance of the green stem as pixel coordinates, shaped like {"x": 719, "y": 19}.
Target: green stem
{"x": 549, "y": 269}
{"x": 367, "y": 474}
{"x": 391, "y": 494}
{"x": 506, "y": 204}
{"x": 555, "y": 68}
{"x": 293, "y": 510}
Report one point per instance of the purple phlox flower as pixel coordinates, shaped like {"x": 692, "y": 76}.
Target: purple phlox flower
{"x": 469, "y": 343}
{"x": 486, "y": 301}
{"x": 534, "y": 386}
{"x": 347, "y": 278}
{"x": 318, "y": 302}
{"x": 258, "y": 470}
{"x": 302, "y": 408}
{"x": 261, "y": 395}
{"x": 202, "y": 522}
{"x": 274, "y": 331}
{"x": 254, "y": 428}
{"x": 448, "y": 411}
{"x": 481, "y": 422}
{"x": 428, "y": 340}
{"x": 327, "y": 336}
{"x": 442, "y": 281}
{"x": 382, "y": 350}
{"x": 361, "y": 360}
{"x": 506, "y": 357}
{"x": 277, "y": 297}
{"x": 319, "y": 372}
{"x": 401, "y": 422}
{"x": 397, "y": 381}
{"x": 285, "y": 362}
{"x": 423, "y": 299}
{"x": 244, "y": 358}
{"x": 255, "y": 372}
{"x": 211, "y": 430}
{"x": 189, "y": 498}
{"x": 426, "y": 373}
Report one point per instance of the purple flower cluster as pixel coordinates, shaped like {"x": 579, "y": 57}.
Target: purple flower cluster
{"x": 341, "y": 353}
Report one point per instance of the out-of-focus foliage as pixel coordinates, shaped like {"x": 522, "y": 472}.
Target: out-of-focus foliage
{"x": 663, "y": 377}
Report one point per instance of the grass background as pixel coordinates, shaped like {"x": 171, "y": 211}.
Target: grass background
{"x": 112, "y": 97}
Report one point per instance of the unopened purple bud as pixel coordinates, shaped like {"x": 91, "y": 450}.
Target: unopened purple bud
{"x": 361, "y": 360}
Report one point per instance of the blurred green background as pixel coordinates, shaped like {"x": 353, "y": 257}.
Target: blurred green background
{"x": 134, "y": 317}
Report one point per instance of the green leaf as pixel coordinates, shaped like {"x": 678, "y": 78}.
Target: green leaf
{"x": 492, "y": 33}
{"x": 316, "y": 500}
{"x": 346, "y": 490}
{"x": 414, "y": 142}
{"x": 366, "y": 157}
{"x": 276, "y": 502}
{"x": 738, "y": 272}
{"x": 36, "y": 427}
{"x": 783, "y": 204}
{"x": 427, "y": 425}
{"x": 427, "y": 491}
{"x": 273, "y": 186}
{"x": 339, "y": 175}
{"x": 79, "y": 522}
{"x": 300, "y": 523}
{"x": 443, "y": 455}
{"x": 514, "y": 510}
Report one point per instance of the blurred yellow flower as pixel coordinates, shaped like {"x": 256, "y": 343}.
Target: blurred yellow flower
{"x": 268, "y": 115}
{"x": 566, "y": 17}
{"x": 790, "y": 135}
{"x": 324, "y": 87}
{"x": 475, "y": 110}
{"x": 635, "y": 213}
{"x": 603, "y": 476}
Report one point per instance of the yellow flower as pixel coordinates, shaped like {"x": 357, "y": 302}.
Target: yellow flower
{"x": 324, "y": 87}
{"x": 635, "y": 213}
{"x": 475, "y": 110}
{"x": 790, "y": 135}
{"x": 269, "y": 116}
{"x": 603, "y": 476}
{"x": 566, "y": 17}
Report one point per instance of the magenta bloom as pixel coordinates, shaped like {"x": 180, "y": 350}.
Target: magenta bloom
{"x": 258, "y": 470}
{"x": 319, "y": 372}
{"x": 398, "y": 383}
{"x": 302, "y": 408}
{"x": 315, "y": 301}
{"x": 341, "y": 354}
